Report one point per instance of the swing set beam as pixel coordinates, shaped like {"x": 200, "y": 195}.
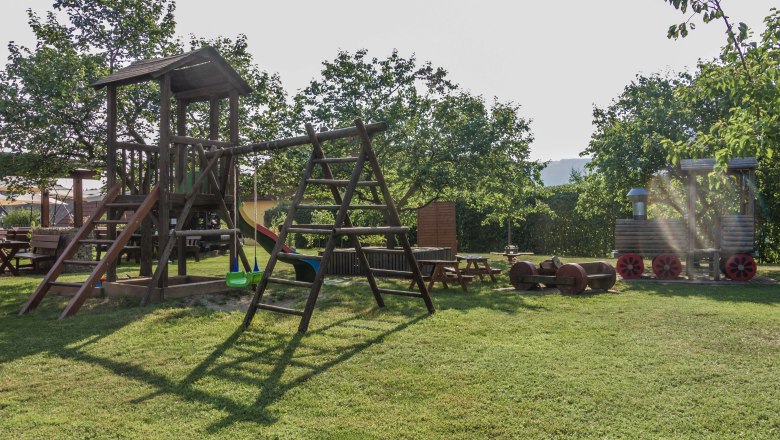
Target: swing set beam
{"x": 298, "y": 141}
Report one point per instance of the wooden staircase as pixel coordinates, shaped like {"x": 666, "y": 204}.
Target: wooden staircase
{"x": 114, "y": 248}
{"x": 366, "y": 159}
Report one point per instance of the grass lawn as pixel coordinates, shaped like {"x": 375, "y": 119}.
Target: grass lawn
{"x": 652, "y": 361}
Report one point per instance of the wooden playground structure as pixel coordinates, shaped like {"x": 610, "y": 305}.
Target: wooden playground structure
{"x": 668, "y": 241}
{"x": 157, "y": 189}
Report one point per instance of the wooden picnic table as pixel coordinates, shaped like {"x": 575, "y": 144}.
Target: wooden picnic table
{"x": 8, "y": 249}
{"x": 443, "y": 271}
{"x": 478, "y": 265}
{"x": 510, "y": 256}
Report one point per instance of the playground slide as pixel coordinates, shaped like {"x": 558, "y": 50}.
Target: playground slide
{"x": 304, "y": 269}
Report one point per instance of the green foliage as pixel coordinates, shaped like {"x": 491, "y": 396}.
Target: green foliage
{"x": 442, "y": 143}
{"x": 560, "y": 230}
{"x": 21, "y": 217}
{"x": 46, "y": 105}
{"x": 745, "y": 77}
{"x": 628, "y": 145}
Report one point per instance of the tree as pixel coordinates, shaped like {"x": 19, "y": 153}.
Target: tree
{"x": 46, "y": 105}
{"x": 747, "y": 74}
{"x": 627, "y": 147}
{"x": 442, "y": 143}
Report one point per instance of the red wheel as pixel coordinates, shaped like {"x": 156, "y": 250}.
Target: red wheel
{"x": 630, "y": 266}
{"x": 575, "y": 271}
{"x": 667, "y": 267}
{"x": 602, "y": 268}
{"x": 518, "y": 271}
{"x": 741, "y": 267}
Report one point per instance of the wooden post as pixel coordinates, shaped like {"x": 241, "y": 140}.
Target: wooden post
{"x": 111, "y": 118}
{"x": 45, "y": 208}
{"x": 214, "y": 135}
{"x": 691, "y": 225}
{"x": 164, "y": 181}
{"x": 78, "y": 201}
{"x": 180, "y": 178}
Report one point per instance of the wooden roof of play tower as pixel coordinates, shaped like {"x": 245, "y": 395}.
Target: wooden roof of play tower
{"x": 195, "y": 76}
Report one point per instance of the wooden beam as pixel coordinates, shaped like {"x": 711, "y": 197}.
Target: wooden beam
{"x": 164, "y": 181}
{"x": 78, "y": 202}
{"x": 194, "y": 141}
{"x": 45, "y": 208}
{"x": 180, "y": 176}
{"x": 297, "y": 141}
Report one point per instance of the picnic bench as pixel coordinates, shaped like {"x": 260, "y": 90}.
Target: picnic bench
{"x": 8, "y": 250}
{"x": 478, "y": 265}
{"x": 442, "y": 271}
{"x": 42, "y": 248}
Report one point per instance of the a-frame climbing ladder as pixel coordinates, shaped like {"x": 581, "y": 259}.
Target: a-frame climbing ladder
{"x": 365, "y": 160}
{"x": 114, "y": 248}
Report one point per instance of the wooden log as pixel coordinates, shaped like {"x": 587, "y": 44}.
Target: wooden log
{"x": 163, "y": 220}
{"x": 297, "y": 141}
{"x": 205, "y": 142}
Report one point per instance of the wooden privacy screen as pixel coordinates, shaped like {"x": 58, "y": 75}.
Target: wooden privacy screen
{"x": 436, "y": 226}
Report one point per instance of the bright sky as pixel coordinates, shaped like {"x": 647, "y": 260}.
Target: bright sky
{"x": 556, "y": 58}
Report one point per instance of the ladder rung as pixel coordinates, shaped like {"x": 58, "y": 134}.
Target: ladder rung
{"x": 299, "y": 256}
{"x": 82, "y": 262}
{"x": 204, "y": 232}
{"x": 110, "y": 222}
{"x": 400, "y": 273}
{"x": 96, "y": 241}
{"x": 400, "y": 292}
{"x": 372, "y": 230}
{"x": 384, "y": 251}
{"x": 310, "y": 231}
{"x": 337, "y": 207}
{"x": 334, "y": 182}
{"x": 289, "y": 282}
{"x": 336, "y": 160}
{"x": 64, "y": 284}
{"x": 280, "y": 309}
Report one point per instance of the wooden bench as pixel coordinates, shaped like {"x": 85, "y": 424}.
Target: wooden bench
{"x": 43, "y": 248}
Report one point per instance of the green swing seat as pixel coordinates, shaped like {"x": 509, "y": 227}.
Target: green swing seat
{"x": 243, "y": 279}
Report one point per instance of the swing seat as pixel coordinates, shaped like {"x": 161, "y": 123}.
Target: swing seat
{"x": 255, "y": 277}
{"x": 237, "y": 279}
{"x": 243, "y": 279}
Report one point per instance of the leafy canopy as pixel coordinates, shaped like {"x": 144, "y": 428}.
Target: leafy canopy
{"x": 442, "y": 142}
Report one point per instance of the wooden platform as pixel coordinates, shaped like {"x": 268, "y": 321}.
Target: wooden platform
{"x": 180, "y": 287}
{"x": 344, "y": 261}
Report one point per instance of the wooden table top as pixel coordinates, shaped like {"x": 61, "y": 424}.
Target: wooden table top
{"x": 471, "y": 257}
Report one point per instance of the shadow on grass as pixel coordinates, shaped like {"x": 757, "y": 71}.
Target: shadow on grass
{"x": 258, "y": 349}
{"x": 730, "y": 292}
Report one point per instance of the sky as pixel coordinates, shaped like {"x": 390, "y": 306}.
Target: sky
{"x": 557, "y": 59}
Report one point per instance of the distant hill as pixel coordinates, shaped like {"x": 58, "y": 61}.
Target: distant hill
{"x": 558, "y": 171}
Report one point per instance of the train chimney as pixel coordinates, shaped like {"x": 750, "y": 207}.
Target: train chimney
{"x": 638, "y": 197}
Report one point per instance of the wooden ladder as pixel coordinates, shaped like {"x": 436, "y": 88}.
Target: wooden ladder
{"x": 341, "y": 227}
{"x": 115, "y": 247}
